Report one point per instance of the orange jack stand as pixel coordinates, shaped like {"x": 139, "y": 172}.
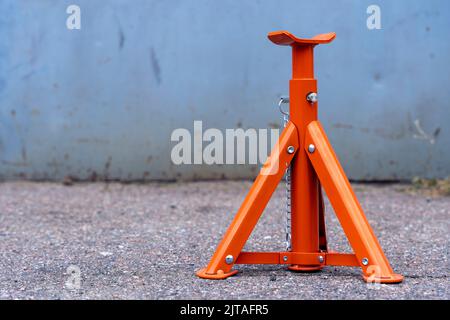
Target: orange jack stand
{"x": 303, "y": 145}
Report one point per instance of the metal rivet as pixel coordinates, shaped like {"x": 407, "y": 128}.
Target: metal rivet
{"x": 312, "y": 97}
{"x": 321, "y": 259}
{"x": 365, "y": 261}
{"x": 290, "y": 149}
{"x": 311, "y": 148}
{"x": 229, "y": 259}
{"x": 285, "y": 258}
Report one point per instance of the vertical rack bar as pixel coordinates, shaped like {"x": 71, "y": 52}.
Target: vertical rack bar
{"x": 304, "y": 183}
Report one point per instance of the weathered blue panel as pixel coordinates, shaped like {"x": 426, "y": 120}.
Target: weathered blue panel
{"x": 102, "y": 101}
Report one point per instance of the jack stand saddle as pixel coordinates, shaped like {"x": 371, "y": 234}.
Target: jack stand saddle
{"x": 304, "y": 146}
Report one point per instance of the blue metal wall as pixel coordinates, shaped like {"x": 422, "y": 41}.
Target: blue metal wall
{"x": 101, "y": 102}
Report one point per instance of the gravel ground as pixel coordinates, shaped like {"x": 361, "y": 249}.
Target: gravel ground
{"x": 145, "y": 241}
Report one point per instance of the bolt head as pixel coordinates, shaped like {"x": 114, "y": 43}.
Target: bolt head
{"x": 312, "y": 97}
{"x": 290, "y": 150}
{"x": 311, "y": 148}
{"x": 365, "y": 261}
{"x": 229, "y": 259}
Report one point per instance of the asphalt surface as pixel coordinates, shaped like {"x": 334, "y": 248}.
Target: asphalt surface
{"x": 131, "y": 241}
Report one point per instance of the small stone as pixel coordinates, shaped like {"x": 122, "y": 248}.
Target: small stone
{"x": 67, "y": 181}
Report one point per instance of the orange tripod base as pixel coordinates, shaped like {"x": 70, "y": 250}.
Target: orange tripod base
{"x": 367, "y": 251}
{"x": 220, "y": 275}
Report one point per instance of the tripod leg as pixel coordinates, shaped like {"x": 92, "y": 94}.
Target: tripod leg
{"x": 368, "y": 251}
{"x": 253, "y": 206}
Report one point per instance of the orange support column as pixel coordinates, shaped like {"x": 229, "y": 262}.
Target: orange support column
{"x": 304, "y": 190}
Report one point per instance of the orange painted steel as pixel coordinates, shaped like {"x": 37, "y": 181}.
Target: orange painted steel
{"x": 328, "y": 258}
{"x": 253, "y": 205}
{"x": 310, "y": 170}
{"x": 347, "y": 208}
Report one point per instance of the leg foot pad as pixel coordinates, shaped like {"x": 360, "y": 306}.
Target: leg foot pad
{"x": 220, "y": 275}
{"x": 393, "y": 278}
